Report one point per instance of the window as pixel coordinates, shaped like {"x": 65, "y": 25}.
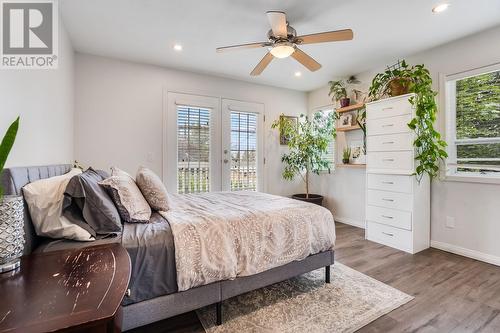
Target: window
{"x": 193, "y": 152}
{"x": 330, "y": 154}
{"x": 243, "y": 151}
{"x": 473, "y": 123}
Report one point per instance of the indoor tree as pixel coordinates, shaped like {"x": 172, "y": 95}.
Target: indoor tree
{"x": 308, "y": 141}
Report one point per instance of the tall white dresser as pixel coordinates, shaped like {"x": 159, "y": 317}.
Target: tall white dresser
{"x": 397, "y": 206}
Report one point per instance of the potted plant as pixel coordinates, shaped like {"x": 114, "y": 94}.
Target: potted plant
{"x": 429, "y": 147}
{"x": 11, "y": 212}
{"x": 339, "y": 92}
{"x": 308, "y": 142}
{"x": 395, "y": 81}
{"x": 346, "y": 155}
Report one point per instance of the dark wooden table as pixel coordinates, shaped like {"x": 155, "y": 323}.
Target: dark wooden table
{"x": 66, "y": 291}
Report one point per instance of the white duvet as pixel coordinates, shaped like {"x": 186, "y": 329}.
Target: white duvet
{"x": 223, "y": 235}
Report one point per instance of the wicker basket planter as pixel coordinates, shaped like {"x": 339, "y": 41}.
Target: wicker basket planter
{"x": 11, "y": 232}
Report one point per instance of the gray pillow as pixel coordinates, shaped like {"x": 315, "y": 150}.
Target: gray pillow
{"x": 153, "y": 189}
{"x": 88, "y": 205}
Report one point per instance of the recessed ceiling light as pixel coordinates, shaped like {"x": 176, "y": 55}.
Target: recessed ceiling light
{"x": 440, "y": 8}
{"x": 298, "y": 74}
{"x": 177, "y": 47}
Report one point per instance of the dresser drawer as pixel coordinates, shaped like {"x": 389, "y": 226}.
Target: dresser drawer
{"x": 401, "y": 160}
{"x": 395, "y": 218}
{"x": 392, "y": 125}
{"x": 393, "y": 183}
{"x": 387, "y": 235}
{"x": 389, "y": 109}
{"x": 390, "y": 142}
{"x": 394, "y": 200}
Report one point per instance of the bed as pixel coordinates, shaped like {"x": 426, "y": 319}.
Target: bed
{"x": 163, "y": 283}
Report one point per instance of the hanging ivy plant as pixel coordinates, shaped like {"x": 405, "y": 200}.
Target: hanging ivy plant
{"x": 429, "y": 147}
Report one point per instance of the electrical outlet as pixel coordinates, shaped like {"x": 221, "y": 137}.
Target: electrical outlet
{"x": 450, "y": 222}
{"x": 150, "y": 157}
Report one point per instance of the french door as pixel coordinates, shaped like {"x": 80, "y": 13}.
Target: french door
{"x": 212, "y": 144}
{"x": 242, "y": 146}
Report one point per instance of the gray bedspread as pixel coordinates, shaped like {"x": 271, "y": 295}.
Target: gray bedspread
{"x": 151, "y": 250}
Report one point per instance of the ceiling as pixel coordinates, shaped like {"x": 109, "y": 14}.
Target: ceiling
{"x": 384, "y": 30}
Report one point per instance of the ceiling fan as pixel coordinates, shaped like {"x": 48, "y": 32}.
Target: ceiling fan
{"x": 283, "y": 42}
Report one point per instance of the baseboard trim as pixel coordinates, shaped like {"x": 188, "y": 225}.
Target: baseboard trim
{"x": 353, "y": 222}
{"x": 488, "y": 258}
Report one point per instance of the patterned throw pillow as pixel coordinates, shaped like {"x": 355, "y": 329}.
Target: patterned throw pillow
{"x": 127, "y": 197}
{"x": 153, "y": 189}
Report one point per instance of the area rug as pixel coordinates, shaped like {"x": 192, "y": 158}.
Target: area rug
{"x": 306, "y": 304}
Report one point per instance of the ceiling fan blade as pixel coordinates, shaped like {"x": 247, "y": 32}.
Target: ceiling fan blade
{"x": 330, "y": 36}
{"x": 242, "y": 46}
{"x": 277, "y": 20}
{"x": 262, "y": 64}
{"x": 306, "y": 60}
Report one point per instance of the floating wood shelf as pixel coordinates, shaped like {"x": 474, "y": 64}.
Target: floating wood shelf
{"x": 354, "y": 166}
{"x": 353, "y": 107}
{"x": 349, "y": 128}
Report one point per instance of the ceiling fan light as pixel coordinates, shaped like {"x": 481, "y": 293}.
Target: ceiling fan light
{"x": 282, "y": 51}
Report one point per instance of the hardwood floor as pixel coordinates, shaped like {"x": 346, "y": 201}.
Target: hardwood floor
{"x": 452, "y": 293}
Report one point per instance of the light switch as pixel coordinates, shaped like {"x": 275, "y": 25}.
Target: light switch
{"x": 450, "y": 222}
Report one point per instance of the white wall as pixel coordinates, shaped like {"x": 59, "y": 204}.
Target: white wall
{"x": 119, "y": 109}
{"x": 45, "y": 101}
{"x": 475, "y": 206}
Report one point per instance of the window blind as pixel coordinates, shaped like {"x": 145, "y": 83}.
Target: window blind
{"x": 243, "y": 151}
{"x": 193, "y": 148}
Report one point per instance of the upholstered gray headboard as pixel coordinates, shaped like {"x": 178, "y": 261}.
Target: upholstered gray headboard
{"x": 13, "y": 180}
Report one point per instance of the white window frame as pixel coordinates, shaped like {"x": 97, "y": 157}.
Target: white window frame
{"x": 331, "y": 108}
{"x": 448, "y": 84}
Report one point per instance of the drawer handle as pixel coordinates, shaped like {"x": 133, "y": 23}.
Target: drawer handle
{"x": 388, "y": 108}
{"x": 388, "y": 125}
{"x": 387, "y": 217}
{"x": 389, "y": 183}
{"x": 386, "y": 199}
{"x": 388, "y": 234}
{"x": 388, "y": 159}
{"x": 388, "y": 142}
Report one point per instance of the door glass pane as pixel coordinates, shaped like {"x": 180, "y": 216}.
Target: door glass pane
{"x": 243, "y": 151}
{"x": 193, "y": 149}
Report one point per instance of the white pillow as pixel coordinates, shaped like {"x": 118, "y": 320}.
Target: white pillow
{"x": 45, "y": 199}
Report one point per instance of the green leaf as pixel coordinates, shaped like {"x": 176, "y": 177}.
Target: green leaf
{"x": 6, "y": 146}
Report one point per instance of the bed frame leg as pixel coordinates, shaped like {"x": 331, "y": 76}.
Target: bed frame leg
{"x": 327, "y": 274}
{"x": 219, "y": 313}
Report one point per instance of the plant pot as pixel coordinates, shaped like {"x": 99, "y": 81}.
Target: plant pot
{"x": 11, "y": 232}
{"x": 313, "y": 198}
{"x": 345, "y": 160}
{"x": 399, "y": 86}
{"x": 344, "y": 102}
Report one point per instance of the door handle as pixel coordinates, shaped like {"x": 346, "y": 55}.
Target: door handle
{"x": 388, "y": 125}
{"x": 388, "y": 108}
{"x": 390, "y": 183}
{"x": 386, "y": 199}
{"x": 387, "y": 217}
{"x": 388, "y": 159}
{"x": 388, "y": 142}
{"x": 388, "y": 234}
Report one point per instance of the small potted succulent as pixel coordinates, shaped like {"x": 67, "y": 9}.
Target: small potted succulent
{"x": 11, "y": 212}
{"x": 339, "y": 92}
{"x": 346, "y": 155}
